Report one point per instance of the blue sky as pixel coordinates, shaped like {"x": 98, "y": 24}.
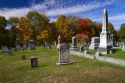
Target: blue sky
{"x": 53, "y": 8}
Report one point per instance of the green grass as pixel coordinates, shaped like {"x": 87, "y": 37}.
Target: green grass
{"x": 15, "y": 70}
{"x": 118, "y": 54}
{"x": 91, "y": 52}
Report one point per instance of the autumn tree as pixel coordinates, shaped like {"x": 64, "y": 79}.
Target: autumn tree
{"x": 24, "y": 29}
{"x": 73, "y": 23}
{"x": 63, "y": 29}
{"x": 85, "y": 29}
{"x": 38, "y": 21}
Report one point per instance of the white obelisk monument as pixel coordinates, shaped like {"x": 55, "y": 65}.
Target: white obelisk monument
{"x": 105, "y": 36}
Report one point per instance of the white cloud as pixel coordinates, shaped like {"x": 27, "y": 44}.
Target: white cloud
{"x": 14, "y": 12}
{"x": 118, "y": 18}
{"x": 72, "y": 10}
{"x": 53, "y": 12}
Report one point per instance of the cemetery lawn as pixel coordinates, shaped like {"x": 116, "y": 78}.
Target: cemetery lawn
{"x": 119, "y": 54}
{"x": 15, "y": 70}
{"x": 91, "y": 52}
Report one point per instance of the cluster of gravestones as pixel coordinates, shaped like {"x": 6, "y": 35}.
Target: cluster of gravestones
{"x": 46, "y": 44}
{"x": 95, "y": 41}
{"x": 64, "y": 49}
{"x": 5, "y": 49}
{"x": 21, "y": 46}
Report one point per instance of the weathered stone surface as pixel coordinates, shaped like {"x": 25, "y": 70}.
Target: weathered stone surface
{"x": 123, "y": 46}
{"x": 10, "y": 53}
{"x": 74, "y": 44}
{"x": 32, "y": 45}
{"x": 64, "y": 54}
{"x": 24, "y": 57}
{"x": 34, "y": 62}
{"x": 94, "y": 43}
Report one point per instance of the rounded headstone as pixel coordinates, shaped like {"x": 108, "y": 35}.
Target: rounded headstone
{"x": 23, "y": 57}
{"x": 10, "y": 53}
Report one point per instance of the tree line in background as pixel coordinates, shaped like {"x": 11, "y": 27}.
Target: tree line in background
{"x": 38, "y": 27}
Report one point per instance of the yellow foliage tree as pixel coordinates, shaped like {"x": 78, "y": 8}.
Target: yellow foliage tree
{"x": 25, "y": 30}
{"x": 63, "y": 29}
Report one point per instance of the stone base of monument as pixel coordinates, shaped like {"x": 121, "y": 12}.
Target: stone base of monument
{"x": 74, "y": 49}
{"x": 98, "y": 54}
{"x": 64, "y": 63}
{"x": 105, "y": 50}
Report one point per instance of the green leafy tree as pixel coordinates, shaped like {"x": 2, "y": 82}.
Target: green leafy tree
{"x": 13, "y": 22}
{"x": 73, "y": 23}
{"x": 122, "y": 32}
{"x": 38, "y": 22}
{"x": 3, "y": 32}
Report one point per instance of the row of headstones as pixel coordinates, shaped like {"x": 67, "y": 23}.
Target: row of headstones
{"x": 64, "y": 49}
{"x": 83, "y": 45}
{"x": 6, "y": 50}
{"x": 95, "y": 44}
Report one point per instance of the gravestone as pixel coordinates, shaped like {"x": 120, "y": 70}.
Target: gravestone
{"x": 32, "y": 45}
{"x": 4, "y": 49}
{"x": 24, "y": 47}
{"x": 120, "y": 45}
{"x": 112, "y": 40}
{"x": 10, "y": 53}
{"x": 18, "y": 42}
{"x": 123, "y": 46}
{"x": 64, "y": 54}
{"x": 105, "y": 36}
{"x": 49, "y": 46}
{"x": 34, "y": 62}
{"x": 18, "y": 47}
{"x": 94, "y": 43}
{"x": 74, "y": 44}
{"x": 23, "y": 57}
{"x": 81, "y": 47}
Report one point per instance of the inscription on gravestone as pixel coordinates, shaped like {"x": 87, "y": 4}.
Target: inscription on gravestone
{"x": 64, "y": 54}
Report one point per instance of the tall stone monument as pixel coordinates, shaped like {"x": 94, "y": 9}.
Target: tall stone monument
{"x": 105, "y": 36}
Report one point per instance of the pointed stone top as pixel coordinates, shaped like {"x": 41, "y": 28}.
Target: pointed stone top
{"x": 105, "y": 9}
{"x": 105, "y": 20}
